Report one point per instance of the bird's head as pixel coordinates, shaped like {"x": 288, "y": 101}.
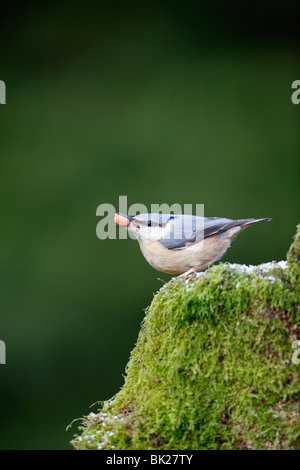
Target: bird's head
{"x": 146, "y": 227}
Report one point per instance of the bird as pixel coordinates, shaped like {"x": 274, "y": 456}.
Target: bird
{"x": 183, "y": 244}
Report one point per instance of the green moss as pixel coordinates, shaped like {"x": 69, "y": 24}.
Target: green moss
{"x": 212, "y": 367}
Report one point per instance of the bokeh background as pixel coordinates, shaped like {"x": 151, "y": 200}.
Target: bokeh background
{"x": 160, "y": 101}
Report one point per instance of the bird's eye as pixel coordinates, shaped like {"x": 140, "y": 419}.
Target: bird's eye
{"x": 149, "y": 223}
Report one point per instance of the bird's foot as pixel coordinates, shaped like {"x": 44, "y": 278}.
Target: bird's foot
{"x": 190, "y": 271}
{"x": 159, "y": 279}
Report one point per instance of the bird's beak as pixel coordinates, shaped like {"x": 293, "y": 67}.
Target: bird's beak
{"x": 123, "y": 220}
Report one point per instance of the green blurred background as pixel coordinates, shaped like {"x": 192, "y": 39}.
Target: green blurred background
{"x": 160, "y": 101}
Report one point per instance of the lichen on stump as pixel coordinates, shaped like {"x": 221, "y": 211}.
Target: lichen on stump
{"x": 212, "y": 367}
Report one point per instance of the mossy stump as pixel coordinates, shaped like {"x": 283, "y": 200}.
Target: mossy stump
{"x": 214, "y": 365}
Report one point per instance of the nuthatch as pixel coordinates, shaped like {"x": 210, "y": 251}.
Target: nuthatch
{"x": 182, "y": 244}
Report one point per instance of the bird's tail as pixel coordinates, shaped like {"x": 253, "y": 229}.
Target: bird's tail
{"x": 241, "y": 225}
{"x": 252, "y": 221}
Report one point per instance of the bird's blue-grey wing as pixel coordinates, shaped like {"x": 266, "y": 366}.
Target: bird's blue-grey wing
{"x": 184, "y": 230}
{"x": 201, "y": 227}
{"x": 192, "y": 229}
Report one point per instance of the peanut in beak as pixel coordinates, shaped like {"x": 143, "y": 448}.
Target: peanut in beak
{"x": 121, "y": 220}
